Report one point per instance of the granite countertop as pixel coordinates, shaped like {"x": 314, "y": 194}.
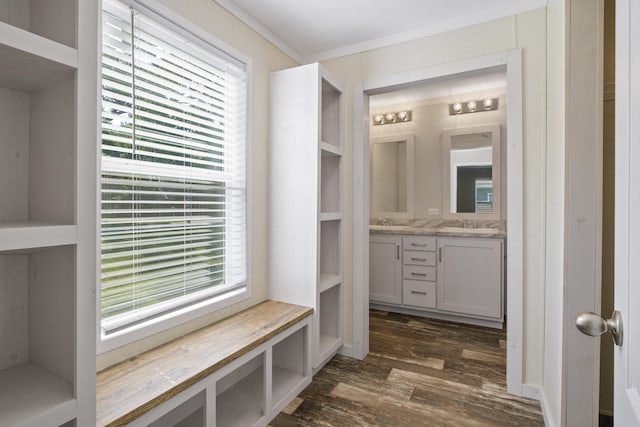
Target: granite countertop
{"x": 446, "y": 227}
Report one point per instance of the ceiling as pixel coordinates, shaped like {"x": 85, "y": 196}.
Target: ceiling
{"x": 312, "y": 30}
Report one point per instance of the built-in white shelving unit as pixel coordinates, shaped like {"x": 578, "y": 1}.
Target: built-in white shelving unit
{"x": 306, "y": 200}
{"x": 48, "y": 119}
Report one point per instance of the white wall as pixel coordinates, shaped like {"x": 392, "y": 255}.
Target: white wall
{"x": 266, "y": 58}
{"x": 430, "y": 118}
{"x": 527, "y": 32}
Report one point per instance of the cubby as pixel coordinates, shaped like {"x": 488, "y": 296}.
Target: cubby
{"x": 48, "y": 118}
{"x": 52, "y": 20}
{"x": 330, "y": 319}
{"x": 330, "y": 194}
{"x": 290, "y": 369}
{"x": 241, "y": 397}
{"x": 37, "y": 336}
{"x": 330, "y": 253}
{"x": 191, "y": 413}
{"x": 306, "y": 195}
{"x": 331, "y": 117}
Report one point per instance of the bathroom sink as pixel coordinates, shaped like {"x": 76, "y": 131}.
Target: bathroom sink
{"x": 462, "y": 230}
{"x": 387, "y": 227}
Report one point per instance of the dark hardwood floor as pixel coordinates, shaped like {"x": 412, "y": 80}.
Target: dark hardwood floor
{"x": 420, "y": 372}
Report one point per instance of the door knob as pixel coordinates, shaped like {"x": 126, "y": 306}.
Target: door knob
{"x": 593, "y": 325}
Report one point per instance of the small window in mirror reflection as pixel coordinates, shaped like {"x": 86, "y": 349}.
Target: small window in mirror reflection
{"x": 484, "y": 196}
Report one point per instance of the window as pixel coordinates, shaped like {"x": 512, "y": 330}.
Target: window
{"x": 173, "y": 211}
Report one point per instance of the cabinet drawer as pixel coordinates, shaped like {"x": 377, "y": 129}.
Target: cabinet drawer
{"x": 419, "y": 258}
{"x": 418, "y": 272}
{"x": 419, "y": 294}
{"x": 419, "y": 243}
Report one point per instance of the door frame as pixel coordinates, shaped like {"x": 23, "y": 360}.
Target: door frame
{"x": 511, "y": 63}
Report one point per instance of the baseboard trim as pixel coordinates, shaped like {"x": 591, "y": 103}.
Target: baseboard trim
{"x": 346, "y": 350}
{"x": 531, "y": 391}
{"x": 544, "y": 405}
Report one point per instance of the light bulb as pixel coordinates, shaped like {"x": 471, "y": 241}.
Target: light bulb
{"x": 471, "y": 105}
{"x": 402, "y": 115}
{"x": 377, "y": 119}
{"x": 457, "y": 108}
{"x": 390, "y": 117}
{"x": 488, "y": 103}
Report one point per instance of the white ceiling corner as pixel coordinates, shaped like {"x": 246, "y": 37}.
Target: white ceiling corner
{"x": 311, "y": 31}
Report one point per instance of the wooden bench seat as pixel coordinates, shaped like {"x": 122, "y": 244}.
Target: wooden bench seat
{"x": 132, "y": 388}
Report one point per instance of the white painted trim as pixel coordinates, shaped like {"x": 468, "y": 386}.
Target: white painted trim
{"x": 360, "y": 292}
{"x": 546, "y": 413}
{"x": 346, "y": 350}
{"x": 511, "y": 60}
{"x": 233, "y": 8}
{"x": 531, "y": 391}
{"x": 515, "y": 228}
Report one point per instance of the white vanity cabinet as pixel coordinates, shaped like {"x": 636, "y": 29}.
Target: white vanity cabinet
{"x": 385, "y": 269}
{"x": 419, "y": 271}
{"x": 470, "y": 276}
{"x": 449, "y": 278}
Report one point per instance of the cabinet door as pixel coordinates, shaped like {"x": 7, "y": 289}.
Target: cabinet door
{"x": 385, "y": 274}
{"x": 470, "y": 276}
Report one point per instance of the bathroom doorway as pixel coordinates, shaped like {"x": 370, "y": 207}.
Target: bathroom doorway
{"x": 509, "y": 65}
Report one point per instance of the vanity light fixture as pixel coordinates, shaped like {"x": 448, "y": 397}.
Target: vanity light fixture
{"x": 393, "y": 117}
{"x": 472, "y": 106}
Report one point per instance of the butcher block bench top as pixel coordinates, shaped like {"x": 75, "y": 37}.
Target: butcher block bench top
{"x": 131, "y": 388}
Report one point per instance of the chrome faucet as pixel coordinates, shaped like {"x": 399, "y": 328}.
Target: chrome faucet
{"x": 384, "y": 221}
{"x": 469, "y": 224}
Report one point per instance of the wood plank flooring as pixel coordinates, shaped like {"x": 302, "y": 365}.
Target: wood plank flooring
{"x": 420, "y": 372}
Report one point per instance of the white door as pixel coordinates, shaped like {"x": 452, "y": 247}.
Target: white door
{"x": 627, "y": 225}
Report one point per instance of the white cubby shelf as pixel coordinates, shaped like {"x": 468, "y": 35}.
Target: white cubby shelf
{"x": 48, "y": 123}
{"x": 32, "y": 396}
{"x": 30, "y": 236}
{"x": 307, "y": 169}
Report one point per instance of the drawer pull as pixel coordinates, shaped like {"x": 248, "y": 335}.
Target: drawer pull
{"x": 419, "y": 259}
{"x": 419, "y": 274}
{"x": 418, "y": 292}
{"x": 419, "y": 245}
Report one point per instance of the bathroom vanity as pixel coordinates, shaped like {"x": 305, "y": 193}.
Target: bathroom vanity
{"x": 448, "y": 273}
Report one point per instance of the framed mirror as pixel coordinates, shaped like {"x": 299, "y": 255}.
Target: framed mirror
{"x": 391, "y": 176}
{"x": 471, "y": 172}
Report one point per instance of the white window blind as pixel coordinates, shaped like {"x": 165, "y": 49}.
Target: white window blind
{"x": 173, "y": 215}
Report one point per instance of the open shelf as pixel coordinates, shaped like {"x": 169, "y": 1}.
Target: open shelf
{"x": 29, "y": 392}
{"x": 37, "y": 312}
{"x": 241, "y": 395}
{"x": 330, "y": 194}
{"x": 289, "y": 374}
{"x": 330, "y": 245}
{"x": 37, "y": 155}
{"x": 190, "y": 413}
{"x": 35, "y": 235}
{"x": 52, "y": 20}
{"x": 329, "y": 281}
{"x": 31, "y": 62}
{"x": 330, "y": 325}
{"x": 330, "y": 126}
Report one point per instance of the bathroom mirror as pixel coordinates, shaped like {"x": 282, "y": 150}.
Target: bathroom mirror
{"x": 391, "y": 176}
{"x": 471, "y": 172}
